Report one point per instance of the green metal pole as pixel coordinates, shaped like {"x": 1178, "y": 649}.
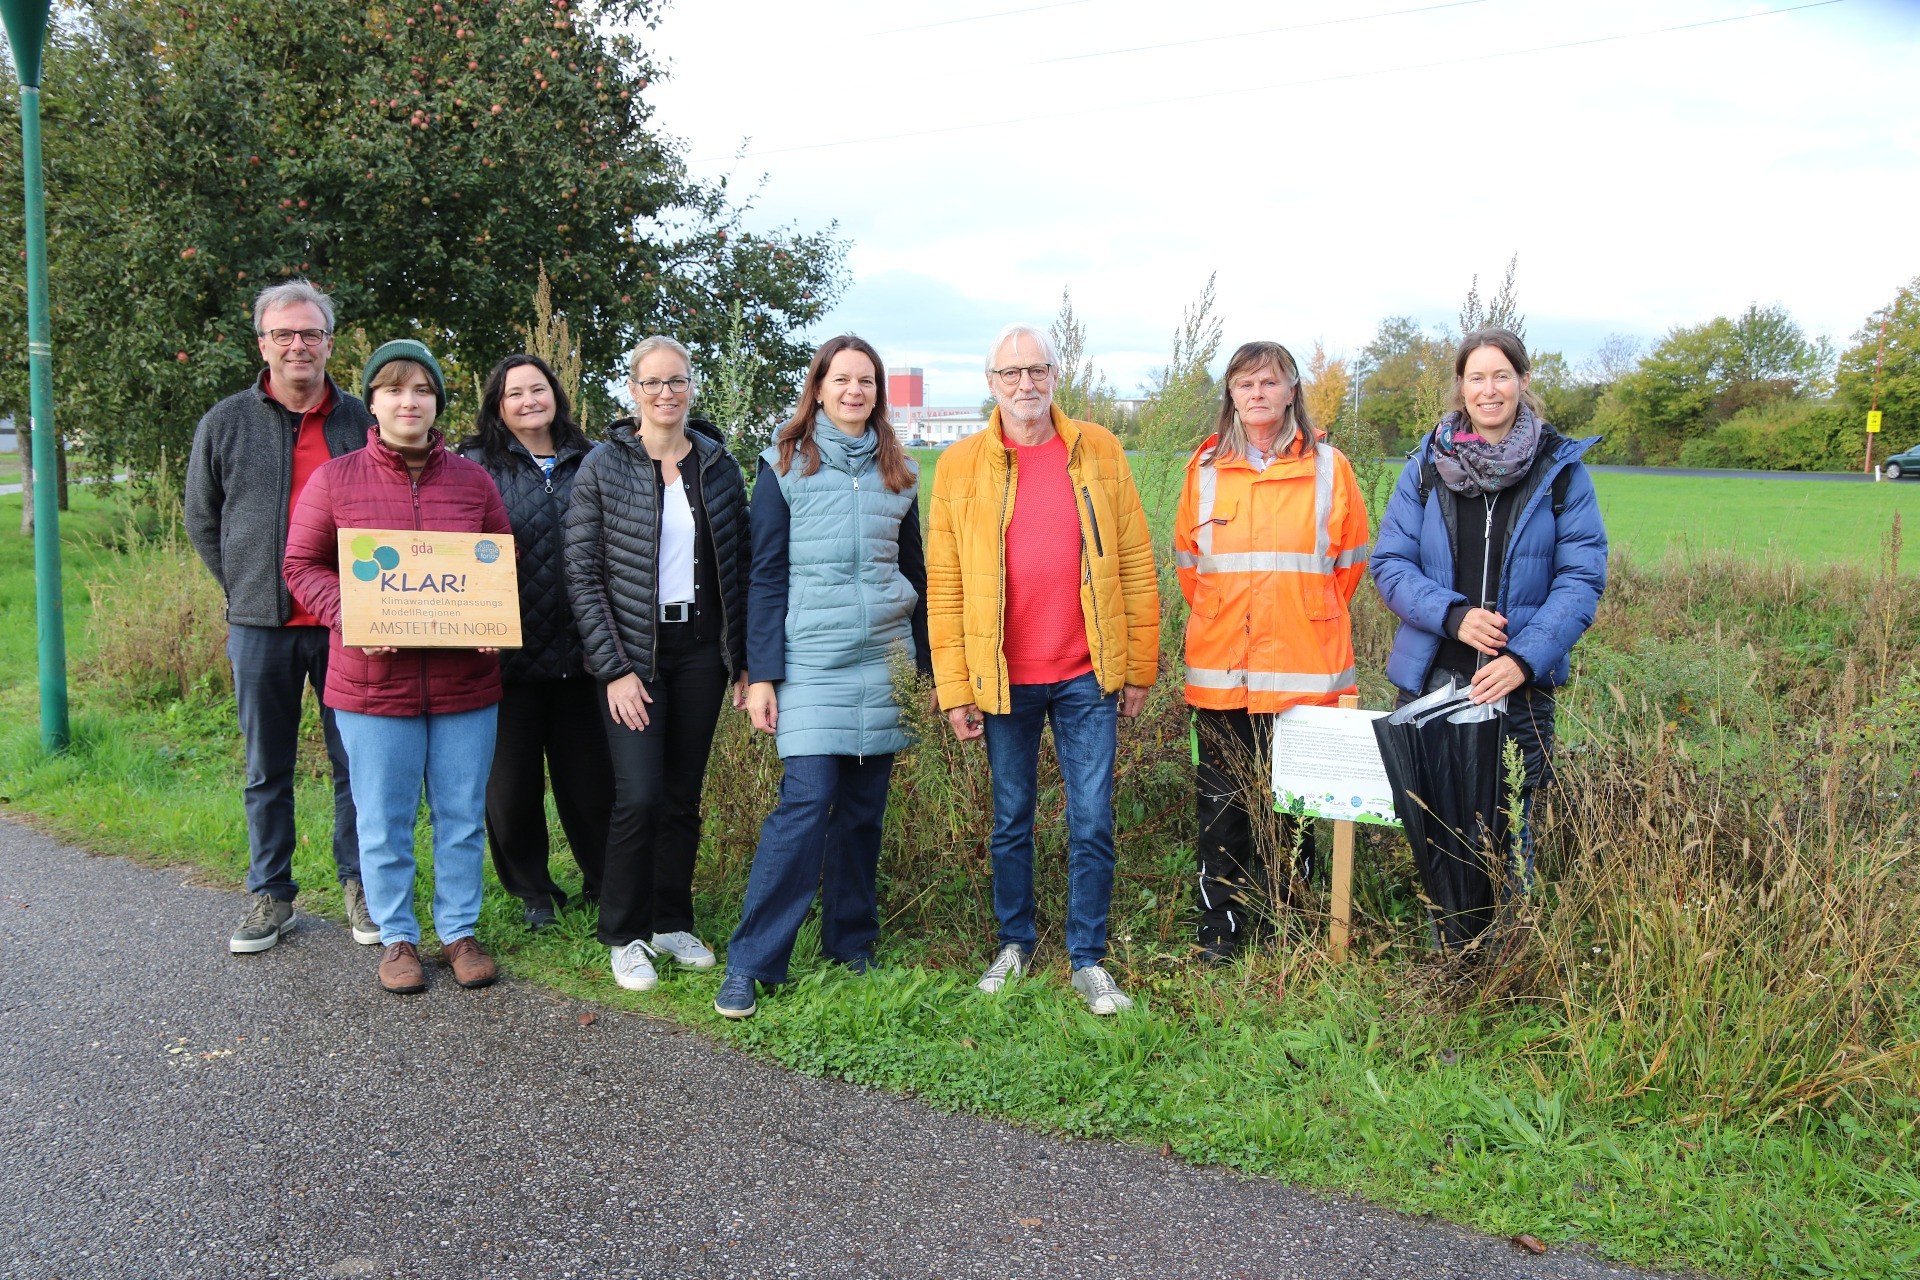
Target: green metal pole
{"x": 48, "y": 600}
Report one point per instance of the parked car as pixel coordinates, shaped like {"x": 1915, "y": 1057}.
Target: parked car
{"x": 1902, "y": 465}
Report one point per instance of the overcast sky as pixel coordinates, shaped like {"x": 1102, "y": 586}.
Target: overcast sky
{"x": 1335, "y": 162}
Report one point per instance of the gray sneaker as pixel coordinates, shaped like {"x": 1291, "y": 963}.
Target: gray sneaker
{"x": 1008, "y": 963}
{"x": 266, "y": 920}
{"x": 1100, "y": 991}
{"x": 359, "y": 919}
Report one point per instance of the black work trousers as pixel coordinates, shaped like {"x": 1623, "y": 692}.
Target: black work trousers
{"x": 549, "y": 727}
{"x": 646, "y": 886}
{"x": 1234, "y": 889}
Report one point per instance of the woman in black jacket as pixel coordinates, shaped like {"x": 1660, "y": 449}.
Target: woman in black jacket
{"x": 526, "y": 438}
{"x": 657, "y": 561}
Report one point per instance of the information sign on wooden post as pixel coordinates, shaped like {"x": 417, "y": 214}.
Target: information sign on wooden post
{"x": 1326, "y": 764}
{"x": 415, "y": 589}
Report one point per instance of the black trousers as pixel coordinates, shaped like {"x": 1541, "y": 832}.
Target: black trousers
{"x": 549, "y": 727}
{"x": 646, "y": 885}
{"x": 1234, "y": 890}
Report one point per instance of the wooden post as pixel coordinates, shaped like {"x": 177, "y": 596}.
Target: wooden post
{"x": 1342, "y": 926}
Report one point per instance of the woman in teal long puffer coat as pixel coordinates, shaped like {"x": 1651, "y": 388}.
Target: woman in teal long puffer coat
{"x": 838, "y": 587}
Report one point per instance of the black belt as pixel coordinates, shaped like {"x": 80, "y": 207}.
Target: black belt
{"x": 678, "y": 611}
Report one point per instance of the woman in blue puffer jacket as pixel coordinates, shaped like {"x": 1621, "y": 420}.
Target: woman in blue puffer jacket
{"x": 838, "y": 589}
{"x": 1492, "y": 552}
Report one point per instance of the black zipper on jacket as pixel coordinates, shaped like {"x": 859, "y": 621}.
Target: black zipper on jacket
{"x": 1000, "y": 640}
{"x": 1092, "y": 522}
{"x": 700, "y": 484}
{"x": 1099, "y": 628}
{"x": 413, "y": 482}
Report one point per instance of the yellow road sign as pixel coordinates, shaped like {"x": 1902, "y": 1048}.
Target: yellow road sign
{"x": 1873, "y": 422}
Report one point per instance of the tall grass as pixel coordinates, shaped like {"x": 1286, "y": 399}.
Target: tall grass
{"x": 1723, "y": 953}
{"x": 157, "y": 629}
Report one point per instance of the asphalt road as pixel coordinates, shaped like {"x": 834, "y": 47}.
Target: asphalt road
{"x": 1721, "y": 473}
{"x": 175, "y": 1111}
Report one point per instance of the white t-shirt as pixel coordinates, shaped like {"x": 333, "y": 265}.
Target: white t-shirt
{"x": 676, "y": 545}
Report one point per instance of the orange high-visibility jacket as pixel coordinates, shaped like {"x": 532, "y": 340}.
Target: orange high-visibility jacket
{"x": 1269, "y": 560}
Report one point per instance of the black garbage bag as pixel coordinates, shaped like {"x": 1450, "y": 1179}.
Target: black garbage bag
{"x": 1443, "y": 758}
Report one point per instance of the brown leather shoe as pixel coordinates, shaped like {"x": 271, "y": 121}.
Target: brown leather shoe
{"x": 472, "y": 967}
{"x": 400, "y": 969}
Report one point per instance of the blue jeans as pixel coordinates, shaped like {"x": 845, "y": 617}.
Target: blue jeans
{"x": 1086, "y": 734}
{"x": 272, "y": 667}
{"x": 823, "y": 836}
{"x": 393, "y": 757}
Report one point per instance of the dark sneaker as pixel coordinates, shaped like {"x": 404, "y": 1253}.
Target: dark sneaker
{"x": 266, "y": 920}
{"x": 359, "y": 919}
{"x": 1218, "y": 949}
{"x": 472, "y": 966}
{"x": 400, "y": 969}
{"x": 736, "y": 998}
{"x": 539, "y": 915}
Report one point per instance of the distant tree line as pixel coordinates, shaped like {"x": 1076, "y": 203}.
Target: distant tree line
{"x": 1747, "y": 391}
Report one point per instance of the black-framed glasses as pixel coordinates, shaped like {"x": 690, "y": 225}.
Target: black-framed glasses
{"x": 1011, "y": 377}
{"x": 654, "y": 386}
{"x": 285, "y": 337}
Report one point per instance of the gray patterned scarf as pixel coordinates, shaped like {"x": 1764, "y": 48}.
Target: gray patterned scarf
{"x": 1471, "y": 465}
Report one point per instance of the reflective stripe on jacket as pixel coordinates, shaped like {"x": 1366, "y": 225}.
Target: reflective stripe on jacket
{"x": 1268, "y": 560}
{"x": 973, "y": 491}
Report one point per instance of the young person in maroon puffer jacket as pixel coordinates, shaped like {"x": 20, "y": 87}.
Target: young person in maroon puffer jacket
{"x": 412, "y": 718}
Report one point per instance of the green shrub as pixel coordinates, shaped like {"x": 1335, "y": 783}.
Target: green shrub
{"x": 1782, "y": 435}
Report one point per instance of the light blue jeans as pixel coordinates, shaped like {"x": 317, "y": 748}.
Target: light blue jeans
{"x": 392, "y": 759}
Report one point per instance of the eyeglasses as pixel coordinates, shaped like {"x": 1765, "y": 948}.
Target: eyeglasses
{"x": 651, "y": 387}
{"x": 1011, "y": 377}
{"x": 285, "y": 337}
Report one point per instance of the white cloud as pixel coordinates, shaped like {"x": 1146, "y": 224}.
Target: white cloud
{"x": 1332, "y": 174}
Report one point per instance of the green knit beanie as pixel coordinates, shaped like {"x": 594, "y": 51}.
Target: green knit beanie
{"x": 406, "y": 349}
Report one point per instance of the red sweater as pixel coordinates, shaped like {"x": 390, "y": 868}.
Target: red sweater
{"x": 371, "y": 488}
{"x": 310, "y": 453}
{"x": 1046, "y": 634}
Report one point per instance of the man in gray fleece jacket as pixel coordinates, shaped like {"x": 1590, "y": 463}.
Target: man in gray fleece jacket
{"x": 252, "y": 454}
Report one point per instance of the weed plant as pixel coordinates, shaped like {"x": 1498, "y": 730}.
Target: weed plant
{"x": 1698, "y": 1040}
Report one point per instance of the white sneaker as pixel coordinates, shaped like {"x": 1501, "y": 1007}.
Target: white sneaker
{"x": 1100, "y": 991}
{"x": 685, "y": 948}
{"x": 1008, "y": 963}
{"x": 633, "y": 966}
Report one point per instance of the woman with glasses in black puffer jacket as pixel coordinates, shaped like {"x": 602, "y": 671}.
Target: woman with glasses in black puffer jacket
{"x": 657, "y": 560}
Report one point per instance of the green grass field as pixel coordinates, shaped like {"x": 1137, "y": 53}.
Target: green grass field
{"x": 1810, "y": 522}
{"x": 1387, "y": 1078}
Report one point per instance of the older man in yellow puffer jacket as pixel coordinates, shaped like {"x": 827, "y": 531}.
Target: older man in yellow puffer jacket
{"x": 1043, "y": 606}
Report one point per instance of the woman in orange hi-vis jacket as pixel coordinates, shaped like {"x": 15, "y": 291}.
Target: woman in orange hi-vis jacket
{"x": 1270, "y": 543}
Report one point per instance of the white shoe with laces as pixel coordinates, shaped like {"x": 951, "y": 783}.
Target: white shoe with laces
{"x": 685, "y": 948}
{"x": 1009, "y": 962}
{"x": 1102, "y": 994}
{"x": 633, "y": 966}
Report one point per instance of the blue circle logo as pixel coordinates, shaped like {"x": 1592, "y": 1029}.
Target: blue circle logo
{"x": 486, "y": 551}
